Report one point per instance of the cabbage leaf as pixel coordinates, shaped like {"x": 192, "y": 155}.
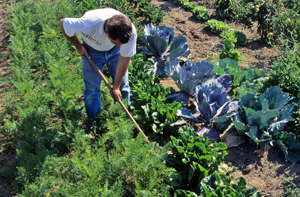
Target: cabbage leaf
{"x": 157, "y": 39}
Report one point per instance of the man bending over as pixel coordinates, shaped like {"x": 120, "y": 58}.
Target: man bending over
{"x": 109, "y": 37}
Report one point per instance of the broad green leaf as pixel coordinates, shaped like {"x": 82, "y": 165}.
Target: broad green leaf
{"x": 191, "y": 170}
{"x": 226, "y": 66}
{"x": 288, "y": 144}
{"x": 156, "y": 45}
{"x": 276, "y": 98}
{"x": 179, "y": 47}
{"x": 155, "y": 117}
{"x": 241, "y": 128}
{"x": 259, "y": 118}
{"x": 253, "y": 134}
{"x": 241, "y": 183}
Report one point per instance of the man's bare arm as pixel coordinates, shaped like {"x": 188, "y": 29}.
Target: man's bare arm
{"x": 74, "y": 40}
{"x": 122, "y": 67}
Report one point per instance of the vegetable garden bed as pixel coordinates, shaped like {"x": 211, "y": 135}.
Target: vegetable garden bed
{"x": 266, "y": 172}
{"x": 42, "y": 118}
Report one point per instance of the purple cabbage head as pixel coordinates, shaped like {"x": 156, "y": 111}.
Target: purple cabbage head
{"x": 212, "y": 106}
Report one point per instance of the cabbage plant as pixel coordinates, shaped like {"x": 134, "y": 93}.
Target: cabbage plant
{"x": 212, "y": 107}
{"x": 262, "y": 118}
{"x": 187, "y": 77}
{"x": 157, "y": 39}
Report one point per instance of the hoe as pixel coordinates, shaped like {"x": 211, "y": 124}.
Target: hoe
{"x": 119, "y": 101}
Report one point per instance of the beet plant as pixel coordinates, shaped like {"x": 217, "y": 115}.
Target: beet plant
{"x": 149, "y": 103}
{"x": 219, "y": 184}
{"x": 180, "y": 2}
{"x": 198, "y": 161}
{"x": 194, "y": 158}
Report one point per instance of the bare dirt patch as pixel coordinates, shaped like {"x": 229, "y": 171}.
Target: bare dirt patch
{"x": 265, "y": 173}
{"x": 5, "y": 69}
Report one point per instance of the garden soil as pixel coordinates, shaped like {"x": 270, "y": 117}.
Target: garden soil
{"x": 265, "y": 172}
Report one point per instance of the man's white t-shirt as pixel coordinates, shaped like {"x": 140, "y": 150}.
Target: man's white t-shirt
{"x": 91, "y": 28}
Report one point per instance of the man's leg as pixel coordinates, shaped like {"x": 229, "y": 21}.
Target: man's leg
{"x": 92, "y": 82}
{"x": 112, "y": 58}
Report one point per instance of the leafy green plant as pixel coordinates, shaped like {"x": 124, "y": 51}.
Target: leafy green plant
{"x": 217, "y": 27}
{"x": 153, "y": 13}
{"x": 222, "y": 8}
{"x": 156, "y": 41}
{"x": 139, "y": 3}
{"x": 228, "y": 50}
{"x": 218, "y": 184}
{"x": 212, "y": 107}
{"x": 262, "y": 118}
{"x": 149, "y": 97}
{"x": 189, "y": 6}
{"x": 240, "y": 37}
{"x": 248, "y": 81}
{"x": 290, "y": 188}
{"x": 86, "y": 5}
{"x": 146, "y": 11}
{"x": 226, "y": 66}
{"x": 194, "y": 158}
{"x": 200, "y": 13}
{"x": 180, "y": 2}
{"x": 160, "y": 114}
{"x": 124, "y": 167}
{"x": 243, "y": 81}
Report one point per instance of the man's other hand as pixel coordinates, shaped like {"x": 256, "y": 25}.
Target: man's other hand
{"x": 116, "y": 94}
{"x": 83, "y": 52}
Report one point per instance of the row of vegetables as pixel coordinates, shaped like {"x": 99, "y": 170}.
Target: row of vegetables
{"x": 276, "y": 19}
{"x": 218, "y": 105}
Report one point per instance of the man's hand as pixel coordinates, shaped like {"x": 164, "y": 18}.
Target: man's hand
{"x": 116, "y": 94}
{"x": 83, "y": 52}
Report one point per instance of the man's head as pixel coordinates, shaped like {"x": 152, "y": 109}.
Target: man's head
{"x": 119, "y": 28}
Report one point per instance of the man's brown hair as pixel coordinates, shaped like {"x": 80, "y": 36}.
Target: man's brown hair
{"x": 119, "y": 27}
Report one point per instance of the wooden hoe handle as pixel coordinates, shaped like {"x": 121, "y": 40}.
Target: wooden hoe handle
{"x": 122, "y": 105}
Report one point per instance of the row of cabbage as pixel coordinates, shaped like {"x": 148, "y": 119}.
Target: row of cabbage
{"x": 44, "y": 111}
{"x": 225, "y": 97}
